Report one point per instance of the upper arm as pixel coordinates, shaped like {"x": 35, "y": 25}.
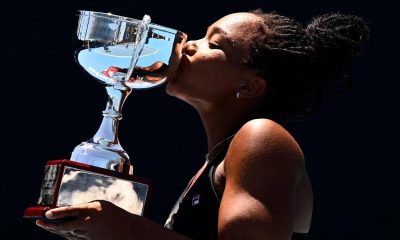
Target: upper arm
{"x": 263, "y": 166}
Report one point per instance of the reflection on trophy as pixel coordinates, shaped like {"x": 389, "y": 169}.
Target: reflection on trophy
{"x": 124, "y": 54}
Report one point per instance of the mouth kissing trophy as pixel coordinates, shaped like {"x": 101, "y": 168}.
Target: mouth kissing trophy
{"x": 124, "y": 54}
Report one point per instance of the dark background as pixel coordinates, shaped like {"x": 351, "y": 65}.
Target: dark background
{"x": 49, "y": 105}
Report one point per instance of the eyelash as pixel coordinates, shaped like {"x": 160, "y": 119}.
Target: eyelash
{"x": 214, "y": 46}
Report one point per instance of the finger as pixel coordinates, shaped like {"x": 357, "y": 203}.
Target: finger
{"x": 69, "y": 226}
{"x": 72, "y": 211}
{"x": 51, "y": 227}
{"x": 75, "y": 238}
{"x": 62, "y": 212}
{"x": 71, "y": 236}
{"x": 46, "y": 225}
{"x": 79, "y": 233}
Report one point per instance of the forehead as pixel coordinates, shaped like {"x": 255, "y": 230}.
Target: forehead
{"x": 238, "y": 31}
{"x": 238, "y": 26}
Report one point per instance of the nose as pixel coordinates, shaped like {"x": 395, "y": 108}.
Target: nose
{"x": 190, "y": 48}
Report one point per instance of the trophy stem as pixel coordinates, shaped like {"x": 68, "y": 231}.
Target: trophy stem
{"x": 104, "y": 149}
{"x": 107, "y": 135}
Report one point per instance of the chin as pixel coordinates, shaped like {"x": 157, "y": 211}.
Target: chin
{"x": 174, "y": 91}
{"x": 169, "y": 89}
{"x": 172, "y": 87}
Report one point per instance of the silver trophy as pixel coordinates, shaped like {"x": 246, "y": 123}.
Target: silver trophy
{"x": 124, "y": 54}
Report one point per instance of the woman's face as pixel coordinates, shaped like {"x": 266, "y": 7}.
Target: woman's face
{"x": 211, "y": 68}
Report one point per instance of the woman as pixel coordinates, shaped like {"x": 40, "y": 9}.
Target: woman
{"x": 250, "y": 72}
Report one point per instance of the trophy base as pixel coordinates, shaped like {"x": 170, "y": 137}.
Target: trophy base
{"x": 68, "y": 183}
{"x": 36, "y": 213}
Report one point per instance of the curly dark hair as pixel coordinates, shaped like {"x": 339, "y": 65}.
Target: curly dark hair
{"x": 297, "y": 60}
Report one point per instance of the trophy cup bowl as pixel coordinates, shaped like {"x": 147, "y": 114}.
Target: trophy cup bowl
{"x": 124, "y": 54}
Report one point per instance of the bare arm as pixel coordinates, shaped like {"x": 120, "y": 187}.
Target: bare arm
{"x": 263, "y": 167}
{"x": 103, "y": 220}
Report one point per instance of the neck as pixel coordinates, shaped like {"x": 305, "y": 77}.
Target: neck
{"x": 220, "y": 123}
{"x": 215, "y": 133}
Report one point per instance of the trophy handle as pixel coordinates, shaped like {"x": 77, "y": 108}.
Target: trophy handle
{"x": 140, "y": 40}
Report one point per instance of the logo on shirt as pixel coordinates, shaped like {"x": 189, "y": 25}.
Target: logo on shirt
{"x": 196, "y": 200}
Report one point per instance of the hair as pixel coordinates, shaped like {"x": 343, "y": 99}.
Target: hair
{"x": 297, "y": 61}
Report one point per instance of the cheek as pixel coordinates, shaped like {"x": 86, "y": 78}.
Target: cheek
{"x": 210, "y": 66}
{"x": 204, "y": 74}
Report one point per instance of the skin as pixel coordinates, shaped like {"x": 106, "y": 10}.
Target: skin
{"x": 209, "y": 77}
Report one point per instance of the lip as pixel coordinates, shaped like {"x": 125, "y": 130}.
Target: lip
{"x": 183, "y": 63}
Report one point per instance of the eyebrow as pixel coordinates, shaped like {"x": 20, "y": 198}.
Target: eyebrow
{"x": 216, "y": 29}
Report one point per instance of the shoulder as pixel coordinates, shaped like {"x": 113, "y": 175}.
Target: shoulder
{"x": 263, "y": 168}
{"x": 263, "y": 143}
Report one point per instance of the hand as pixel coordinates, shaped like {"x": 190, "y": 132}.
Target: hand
{"x": 94, "y": 220}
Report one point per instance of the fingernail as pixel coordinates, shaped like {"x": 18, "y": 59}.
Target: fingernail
{"x": 49, "y": 214}
{"x": 40, "y": 224}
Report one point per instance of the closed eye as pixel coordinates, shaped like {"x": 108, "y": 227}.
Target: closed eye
{"x": 213, "y": 45}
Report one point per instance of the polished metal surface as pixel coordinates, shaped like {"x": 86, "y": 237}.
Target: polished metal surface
{"x": 80, "y": 186}
{"x": 65, "y": 186}
{"x": 124, "y": 54}
{"x": 111, "y": 46}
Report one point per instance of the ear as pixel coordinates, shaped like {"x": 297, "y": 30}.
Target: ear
{"x": 253, "y": 87}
